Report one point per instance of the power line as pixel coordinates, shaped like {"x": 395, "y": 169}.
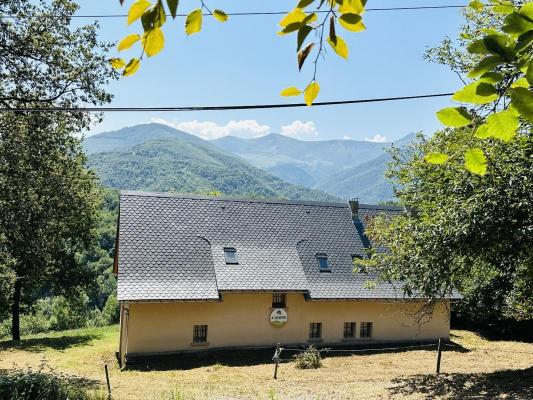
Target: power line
{"x": 252, "y": 13}
{"x": 219, "y": 108}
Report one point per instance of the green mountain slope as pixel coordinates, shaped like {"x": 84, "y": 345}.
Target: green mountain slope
{"x": 133, "y": 135}
{"x": 366, "y": 182}
{"x": 301, "y": 162}
{"x": 191, "y": 167}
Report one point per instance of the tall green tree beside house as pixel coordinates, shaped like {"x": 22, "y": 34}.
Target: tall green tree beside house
{"x": 48, "y": 199}
{"x": 472, "y": 228}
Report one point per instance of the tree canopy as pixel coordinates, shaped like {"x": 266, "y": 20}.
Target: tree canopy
{"x": 48, "y": 199}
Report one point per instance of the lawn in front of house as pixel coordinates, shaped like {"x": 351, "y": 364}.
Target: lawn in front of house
{"x": 477, "y": 368}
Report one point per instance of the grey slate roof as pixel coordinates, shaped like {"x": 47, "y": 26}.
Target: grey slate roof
{"x": 170, "y": 247}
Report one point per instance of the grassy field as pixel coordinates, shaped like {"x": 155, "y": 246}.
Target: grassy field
{"x": 476, "y": 369}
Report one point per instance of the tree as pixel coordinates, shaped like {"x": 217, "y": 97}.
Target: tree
{"x": 48, "y": 199}
{"x": 470, "y": 186}
{"x": 467, "y": 233}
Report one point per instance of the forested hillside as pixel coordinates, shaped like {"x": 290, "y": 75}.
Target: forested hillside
{"x": 171, "y": 165}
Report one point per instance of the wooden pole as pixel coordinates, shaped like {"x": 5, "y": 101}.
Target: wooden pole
{"x": 276, "y": 360}
{"x": 439, "y": 352}
{"x": 108, "y": 383}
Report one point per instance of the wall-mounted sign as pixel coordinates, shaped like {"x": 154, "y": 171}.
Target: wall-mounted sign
{"x": 278, "y": 317}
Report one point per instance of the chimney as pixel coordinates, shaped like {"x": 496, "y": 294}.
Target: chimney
{"x": 354, "y": 206}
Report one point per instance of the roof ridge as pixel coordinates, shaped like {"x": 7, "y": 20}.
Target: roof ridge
{"x": 229, "y": 198}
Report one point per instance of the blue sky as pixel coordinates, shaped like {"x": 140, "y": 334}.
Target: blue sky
{"x": 244, "y": 61}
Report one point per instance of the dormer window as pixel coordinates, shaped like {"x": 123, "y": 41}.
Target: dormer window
{"x": 231, "y": 255}
{"x": 323, "y": 264}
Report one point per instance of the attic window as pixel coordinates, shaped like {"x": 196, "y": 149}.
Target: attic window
{"x": 323, "y": 264}
{"x": 231, "y": 255}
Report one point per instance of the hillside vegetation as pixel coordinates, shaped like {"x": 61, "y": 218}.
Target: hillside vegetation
{"x": 170, "y": 165}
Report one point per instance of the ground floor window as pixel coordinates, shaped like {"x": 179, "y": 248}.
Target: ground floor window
{"x": 315, "y": 330}
{"x": 199, "y": 334}
{"x": 349, "y": 330}
{"x": 366, "y": 329}
{"x": 279, "y": 300}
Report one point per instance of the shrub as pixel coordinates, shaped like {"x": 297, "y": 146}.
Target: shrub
{"x": 19, "y": 384}
{"x": 308, "y": 359}
{"x": 111, "y": 313}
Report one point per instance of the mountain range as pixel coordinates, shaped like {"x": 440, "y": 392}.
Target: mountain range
{"x": 160, "y": 158}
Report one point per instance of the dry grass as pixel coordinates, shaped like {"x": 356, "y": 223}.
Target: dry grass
{"x": 478, "y": 369}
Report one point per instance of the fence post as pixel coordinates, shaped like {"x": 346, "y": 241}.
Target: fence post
{"x": 108, "y": 384}
{"x": 276, "y": 360}
{"x": 439, "y": 351}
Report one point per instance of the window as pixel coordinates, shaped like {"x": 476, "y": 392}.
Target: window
{"x": 231, "y": 255}
{"x": 199, "y": 334}
{"x": 279, "y": 300}
{"x": 366, "y": 329}
{"x": 349, "y": 330}
{"x": 315, "y": 330}
{"x": 323, "y": 264}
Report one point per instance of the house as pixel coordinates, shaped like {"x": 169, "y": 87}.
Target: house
{"x": 198, "y": 272}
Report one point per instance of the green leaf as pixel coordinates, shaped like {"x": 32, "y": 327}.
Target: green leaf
{"x": 527, "y": 11}
{"x": 500, "y": 45}
{"x": 290, "y": 28}
{"x": 522, "y": 101}
{"x": 137, "y": 9}
{"x": 154, "y": 18}
{"x": 220, "y": 15}
{"x": 485, "y": 65}
{"x": 193, "y": 23}
{"x": 132, "y": 67}
{"x": 291, "y": 91}
{"x": 352, "y": 22}
{"x": 516, "y": 24}
{"x": 482, "y": 132}
{"x": 491, "y": 77}
{"x": 475, "y": 161}
{"x": 153, "y": 42}
{"x": 476, "y": 93}
{"x": 454, "y": 117}
{"x": 523, "y": 41}
{"x": 173, "y": 7}
{"x": 304, "y": 3}
{"x": 296, "y": 15}
{"x": 529, "y": 72}
{"x": 503, "y": 7}
{"x": 340, "y": 47}
{"x": 522, "y": 82}
{"x": 502, "y": 125}
{"x": 117, "y": 63}
{"x": 311, "y": 92}
{"x": 128, "y": 41}
{"x": 476, "y": 5}
{"x": 303, "y": 54}
{"x": 436, "y": 158}
{"x": 302, "y": 35}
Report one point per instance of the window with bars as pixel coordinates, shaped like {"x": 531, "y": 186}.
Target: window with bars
{"x": 315, "y": 330}
{"x": 349, "y": 330}
{"x": 366, "y": 330}
{"x": 279, "y": 300}
{"x": 199, "y": 334}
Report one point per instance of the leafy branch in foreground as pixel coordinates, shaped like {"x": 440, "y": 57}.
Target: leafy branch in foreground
{"x": 500, "y": 89}
{"x": 347, "y": 13}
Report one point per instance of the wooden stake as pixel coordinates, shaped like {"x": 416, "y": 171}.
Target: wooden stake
{"x": 439, "y": 351}
{"x": 276, "y": 360}
{"x": 108, "y": 384}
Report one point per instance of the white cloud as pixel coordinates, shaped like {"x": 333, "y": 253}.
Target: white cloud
{"x": 248, "y": 128}
{"x": 300, "y": 130}
{"x": 377, "y": 138}
{"x": 346, "y": 137}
